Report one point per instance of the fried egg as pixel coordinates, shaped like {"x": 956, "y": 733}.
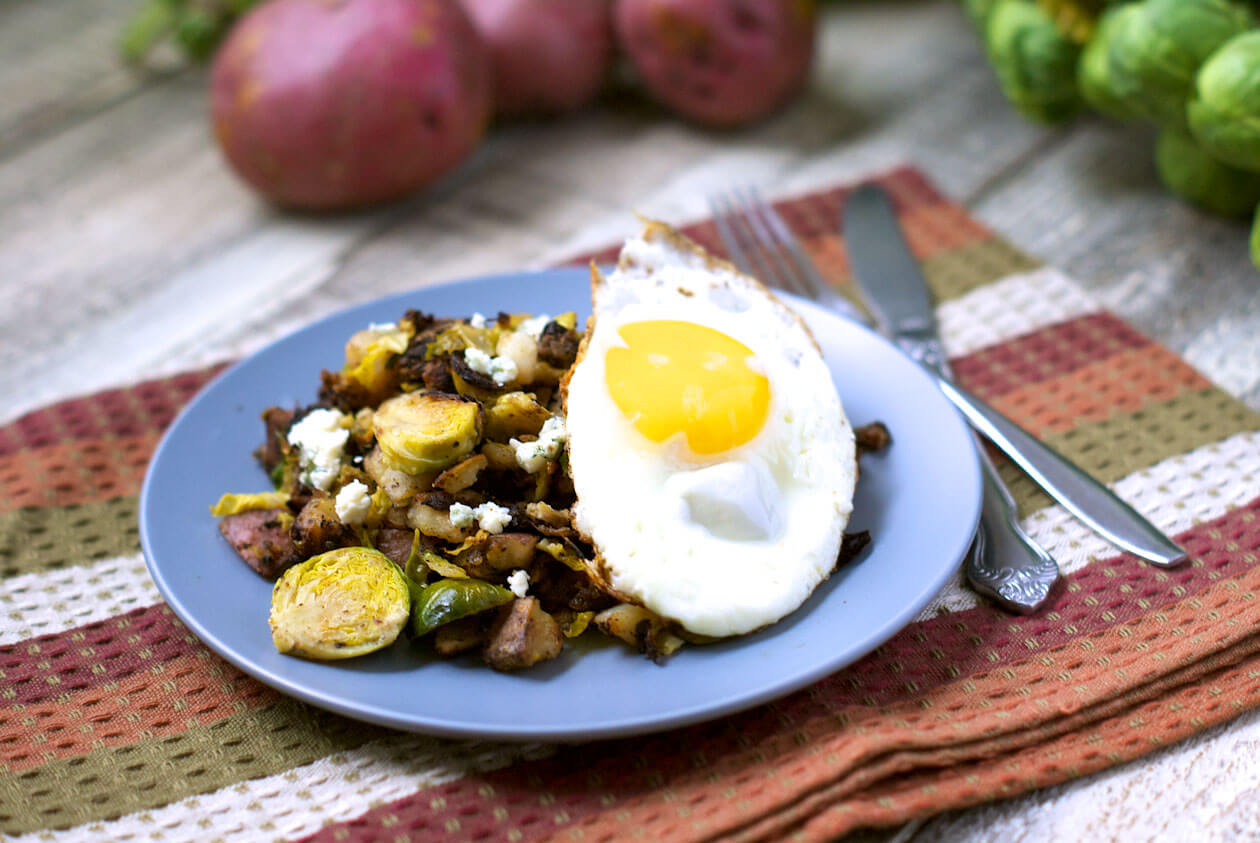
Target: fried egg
{"x": 712, "y": 460}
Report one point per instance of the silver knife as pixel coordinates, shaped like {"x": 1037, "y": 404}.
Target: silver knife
{"x": 889, "y": 276}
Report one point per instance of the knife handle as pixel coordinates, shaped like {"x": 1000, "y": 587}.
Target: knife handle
{"x": 1080, "y": 494}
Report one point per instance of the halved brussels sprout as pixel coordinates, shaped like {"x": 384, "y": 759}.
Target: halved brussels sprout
{"x": 1200, "y": 179}
{"x": 340, "y": 604}
{"x": 233, "y": 503}
{"x": 1155, "y": 55}
{"x": 445, "y": 601}
{"x": 1034, "y": 62}
{"x": 368, "y": 353}
{"x": 426, "y": 431}
{"x": 1225, "y": 110}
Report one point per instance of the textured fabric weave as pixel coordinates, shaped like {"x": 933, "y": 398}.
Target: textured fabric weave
{"x": 116, "y": 722}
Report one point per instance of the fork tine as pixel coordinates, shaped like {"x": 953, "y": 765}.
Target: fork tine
{"x": 751, "y": 245}
{"x": 720, "y": 208}
{"x": 815, "y": 285}
{"x": 790, "y": 280}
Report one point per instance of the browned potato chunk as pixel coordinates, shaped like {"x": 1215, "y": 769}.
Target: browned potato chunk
{"x": 500, "y": 457}
{"x": 434, "y": 522}
{"x": 508, "y": 551}
{"x": 641, "y": 628}
{"x": 318, "y": 529}
{"x": 514, "y": 414}
{"x": 459, "y": 636}
{"x": 522, "y": 636}
{"x": 426, "y": 431}
{"x": 461, "y": 475}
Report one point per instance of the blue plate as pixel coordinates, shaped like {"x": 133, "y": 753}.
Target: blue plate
{"x": 920, "y": 500}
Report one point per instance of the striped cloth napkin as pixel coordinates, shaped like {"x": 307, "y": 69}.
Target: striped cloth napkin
{"x": 116, "y": 722}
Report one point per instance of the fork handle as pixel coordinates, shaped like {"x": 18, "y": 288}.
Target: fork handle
{"x": 1004, "y": 563}
{"x": 1080, "y": 494}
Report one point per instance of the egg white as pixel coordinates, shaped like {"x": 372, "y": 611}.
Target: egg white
{"x": 732, "y": 542}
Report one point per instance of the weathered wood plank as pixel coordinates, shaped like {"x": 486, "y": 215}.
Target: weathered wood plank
{"x": 60, "y": 64}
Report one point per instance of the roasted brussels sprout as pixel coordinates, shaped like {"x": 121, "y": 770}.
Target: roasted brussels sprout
{"x": 1035, "y": 63}
{"x": 339, "y": 604}
{"x": 1202, "y": 180}
{"x": 1099, "y": 86}
{"x": 1154, "y": 54}
{"x": 233, "y": 503}
{"x": 368, "y": 355}
{"x": 426, "y": 431}
{"x": 1225, "y": 109}
{"x": 448, "y": 600}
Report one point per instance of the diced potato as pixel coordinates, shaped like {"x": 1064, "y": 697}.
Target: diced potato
{"x": 318, "y": 528}
{"x": 459, "y": 636}
{"x": 522, "y": 636}
{"x": 641, "y": 628}
{"x": 500, "y": 457}
{"x": 508, "y": 551}
{"x": 524, "y": 353}
{"x": 424, "y": 431}
{"x": 434, "y": 522}
{"x": 461, "y": 475}
{"x": 513, "y": 415}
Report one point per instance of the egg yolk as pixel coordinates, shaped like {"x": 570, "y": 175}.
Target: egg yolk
{"x": 680, "y": 377}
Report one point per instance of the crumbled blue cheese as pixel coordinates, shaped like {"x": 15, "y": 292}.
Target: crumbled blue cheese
{"x": 534, "y": 456}
{"x": 500, "y": 369}
{"x": 492, "y": 518}
{"x": 534, "y": 325}
{"x": 320, "y": 437}
{"x": 489, "y": 516}
{"x": 353, "y": 503}
{"x": 518, "y": 582}
{"x": 477, "y": 320}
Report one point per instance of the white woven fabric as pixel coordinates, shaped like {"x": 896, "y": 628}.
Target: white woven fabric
{"x": 1016, "y": 305}
{"x": 52, "y": 601}
{"x": 298, "y": 802}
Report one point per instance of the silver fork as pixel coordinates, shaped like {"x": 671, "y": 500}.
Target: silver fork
{"x": 1003, "y": 561}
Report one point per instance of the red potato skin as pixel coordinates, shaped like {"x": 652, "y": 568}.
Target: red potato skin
{"x": 550, "y": 56}
{"x": 720, "y": 63}
{"x": 330, "y": 104}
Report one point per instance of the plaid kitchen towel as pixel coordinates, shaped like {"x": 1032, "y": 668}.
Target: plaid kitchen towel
{"x": 116, "y": 722}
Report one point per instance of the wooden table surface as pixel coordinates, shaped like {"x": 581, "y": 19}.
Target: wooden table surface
{"x": 128, "y": 250}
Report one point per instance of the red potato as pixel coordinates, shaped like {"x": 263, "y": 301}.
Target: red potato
{"x": 550, "y": 56}
{"x": 721, "y": 63}
{"x": 326, "y": 104}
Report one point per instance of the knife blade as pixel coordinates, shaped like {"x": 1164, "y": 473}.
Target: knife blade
{"x": 896, "y": 292}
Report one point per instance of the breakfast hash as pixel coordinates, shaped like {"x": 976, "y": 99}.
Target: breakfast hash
{"x": 679, "y": 470}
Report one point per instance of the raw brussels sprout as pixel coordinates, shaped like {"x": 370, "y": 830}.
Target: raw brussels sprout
{"x": 979, "y": 11}
{"x": 1035, "y": 63}
{"x": 1225, "y": 110}
{"x": 1255, "y": 239}
{"x": 339, "y": 604}
{"x": 1202, "y": 180}
{"x": 426, "y": 431}
{"x": 1155, "y": 55}
{"x": 1098, "y": 84}
{"x": 445, "y": 601}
